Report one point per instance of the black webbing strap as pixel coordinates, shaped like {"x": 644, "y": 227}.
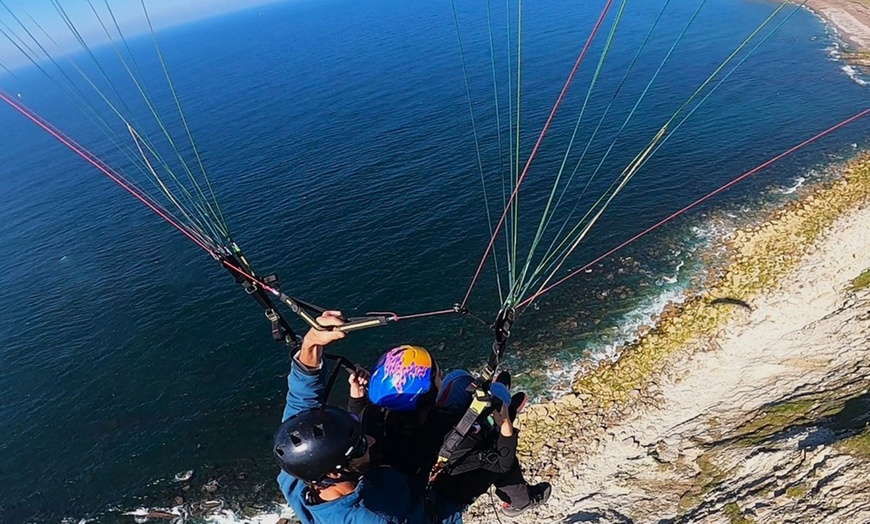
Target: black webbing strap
{"x": 340, "y": 363}
{"x": 502, "y": 329}
{"x": 481, "y": 401}
{"x": 481, "y": 407}
{"x": 281, "y": 330}
{"x": 474, "y": 459}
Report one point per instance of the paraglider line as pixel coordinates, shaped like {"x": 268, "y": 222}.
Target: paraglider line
{"x": 422, "y": 315}
{"x": 696, "y": 203}
{"x": 106, "y": 170}
{"x": 94, "y": 161}
{"x": 537, "y": 146}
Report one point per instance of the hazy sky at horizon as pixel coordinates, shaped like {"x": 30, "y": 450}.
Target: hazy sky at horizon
{"x": 129, "y": 14}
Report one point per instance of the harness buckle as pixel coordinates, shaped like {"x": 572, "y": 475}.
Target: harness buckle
{"x": 278, "y": 332}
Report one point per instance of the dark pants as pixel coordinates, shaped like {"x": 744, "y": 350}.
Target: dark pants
{"x": 505, "y": 474}
{"x": 512, "y": 488}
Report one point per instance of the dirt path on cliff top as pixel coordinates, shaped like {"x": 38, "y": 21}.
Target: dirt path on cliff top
{"x": 792, "y": 340}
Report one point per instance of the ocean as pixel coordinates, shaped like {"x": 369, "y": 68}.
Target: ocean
{"x": 338, "y": 139}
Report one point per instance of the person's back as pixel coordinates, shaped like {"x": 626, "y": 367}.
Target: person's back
{"x": 405, "y": 442}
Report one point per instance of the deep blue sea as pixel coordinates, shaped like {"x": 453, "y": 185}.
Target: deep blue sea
{"x": 338, "y": 140}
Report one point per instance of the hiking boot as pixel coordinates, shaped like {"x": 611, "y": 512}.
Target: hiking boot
{"x": 538, "y": 495}
{"x": 504, "y": 378}
{"x": 518, "y": 402}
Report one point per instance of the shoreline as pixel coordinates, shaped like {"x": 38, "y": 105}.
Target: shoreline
{"x": 614, "y": 448}
{"x": 563, "y": 439}
{"x": 850, "y": 20}
{"x": 588, "y": 428}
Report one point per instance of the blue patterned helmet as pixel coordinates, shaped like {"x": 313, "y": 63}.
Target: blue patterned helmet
{"x": 404, "y": 379}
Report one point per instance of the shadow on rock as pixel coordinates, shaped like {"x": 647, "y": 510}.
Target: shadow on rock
{"x": 730, "y": 301}
{"x": 606, "y": 517}
{"x": 822, "y": 419}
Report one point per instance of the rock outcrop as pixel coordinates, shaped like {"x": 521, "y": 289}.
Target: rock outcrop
{"x": 749, "y": 403}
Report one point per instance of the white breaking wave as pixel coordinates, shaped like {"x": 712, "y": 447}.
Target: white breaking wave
{"x": 835, "y": 51}
{"x": 855, "y": 74}
{"x": 228, "y": 517}
{"x": 799, "y": 181}
{"x": 143, "y": 515}
{"x": 218, "y": 516}
{"x": 626, "y": 332}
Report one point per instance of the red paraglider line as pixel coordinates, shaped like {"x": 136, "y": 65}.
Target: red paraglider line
{"x": 94, "y": 161}
{"x": 696, "y": 203}
{"x": 535, "y": 149}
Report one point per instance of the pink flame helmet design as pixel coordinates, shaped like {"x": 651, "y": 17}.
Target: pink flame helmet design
{"x": 401, "y": 376}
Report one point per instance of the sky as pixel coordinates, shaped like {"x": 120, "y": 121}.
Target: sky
{"x": 130, "y": 15}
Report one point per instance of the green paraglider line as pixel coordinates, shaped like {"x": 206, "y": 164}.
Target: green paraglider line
{"x": 219, "y": 254}
{"x": 94, "y": 161}
{"x": 535, "y": 149}
{"x": 696, "y": 203}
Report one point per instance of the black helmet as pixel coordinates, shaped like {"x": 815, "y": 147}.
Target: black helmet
{"x": 318, "y": 441}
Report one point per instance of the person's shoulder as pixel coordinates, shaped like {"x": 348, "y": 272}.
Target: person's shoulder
{"x": 289, "y": 484}
{"x": 454, "y": 395}
{"x": 383, "y": 477}
{"x": 348, "y": 509}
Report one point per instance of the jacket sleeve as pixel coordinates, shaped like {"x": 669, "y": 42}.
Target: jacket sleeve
{"x": 304, "y": 388}
{"x": 356, "y": 406}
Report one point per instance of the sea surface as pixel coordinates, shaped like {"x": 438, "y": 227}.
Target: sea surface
{"x": 339, "y": 143}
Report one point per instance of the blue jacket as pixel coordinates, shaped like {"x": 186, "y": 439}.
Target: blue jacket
{"x": 382, "y": 496}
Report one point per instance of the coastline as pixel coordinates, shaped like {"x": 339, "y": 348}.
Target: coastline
{"x": 850, "y": 19}
{"x": 639, "y": 440}
{"x": 783, "y": 275}
{"x": 596, "y": 427}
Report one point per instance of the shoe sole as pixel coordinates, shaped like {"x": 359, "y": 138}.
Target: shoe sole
{"x": 514, "y": 412}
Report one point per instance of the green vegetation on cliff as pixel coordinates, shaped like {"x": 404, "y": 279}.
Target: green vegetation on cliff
{"x": 861, "y": 281}
{"x": 858, "y": 444}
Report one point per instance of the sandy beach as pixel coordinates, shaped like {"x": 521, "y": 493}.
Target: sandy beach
{"x": 851, "y": 19}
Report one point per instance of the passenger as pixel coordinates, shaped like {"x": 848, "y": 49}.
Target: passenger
{"x": 327, "y": 473}
{"x": 487, "y": 456}
{"x": 412, "y": 419}
{"x": 411, "y": 433}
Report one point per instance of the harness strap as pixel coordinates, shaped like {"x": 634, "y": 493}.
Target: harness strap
{"x": 281, "y": 330}
{"x": 481, "y": 401}
{"x": 449, "y": 456}
{"x": 502, "y": 329}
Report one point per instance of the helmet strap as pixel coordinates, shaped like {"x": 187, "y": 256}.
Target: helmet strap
{"x": 344, "y": 475}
